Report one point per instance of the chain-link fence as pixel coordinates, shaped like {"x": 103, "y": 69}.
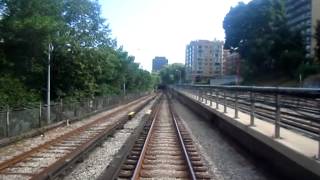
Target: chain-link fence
{"x": 15, "y": 121}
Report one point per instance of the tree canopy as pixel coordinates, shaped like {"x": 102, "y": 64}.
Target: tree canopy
{"x": 259, "y": 32}
{"x": 85, "y": 60}
{"x": 173, "y": 73}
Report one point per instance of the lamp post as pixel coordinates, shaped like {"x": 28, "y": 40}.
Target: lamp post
{"x": 50, "y": 49}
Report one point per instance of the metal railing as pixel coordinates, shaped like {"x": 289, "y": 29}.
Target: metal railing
{"x": 15, "y": 121}
{"x": 297, "y": 109}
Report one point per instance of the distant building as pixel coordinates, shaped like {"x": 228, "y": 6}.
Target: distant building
{"x": 226, "y": 53}
{"x": 159, "y": 63}
{"x": 204, "y": 60}
{"x": 231, "y": 63}
{"x": 303, "y": 16}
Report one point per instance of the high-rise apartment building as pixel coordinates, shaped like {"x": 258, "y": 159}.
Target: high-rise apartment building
{"x": 159, "y": 63}
{"x": 204, "y": 60}
{"x": 303, "y": 16}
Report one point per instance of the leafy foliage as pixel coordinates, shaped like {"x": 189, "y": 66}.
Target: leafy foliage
{"x": 258, "y": 31}
{"x": 172, "y": 73}
{"x": 85, "y": 61}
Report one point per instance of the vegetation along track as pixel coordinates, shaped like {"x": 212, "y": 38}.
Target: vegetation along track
{"x": 164, "y": 150}
{"x": 53, "y": 157}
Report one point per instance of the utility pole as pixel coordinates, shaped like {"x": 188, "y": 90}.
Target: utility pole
{"x": 50, "y": 49}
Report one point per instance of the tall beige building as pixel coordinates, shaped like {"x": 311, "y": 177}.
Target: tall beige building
{"x": 204, "y": 60}
{"x": 303, "y": 16}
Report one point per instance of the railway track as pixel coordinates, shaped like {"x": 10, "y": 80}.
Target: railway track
{"x": 164, "y": 150}
{"x": 53, "y": 157}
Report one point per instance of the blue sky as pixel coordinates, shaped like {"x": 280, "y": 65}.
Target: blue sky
{"x": 149, "y": 28}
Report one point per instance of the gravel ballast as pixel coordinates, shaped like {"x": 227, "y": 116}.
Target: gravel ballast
{"x": 225, "y": 159}
{"x": 100, "y": 157}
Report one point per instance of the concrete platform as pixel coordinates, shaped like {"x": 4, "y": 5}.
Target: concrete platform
{"x": 293, "y": 154}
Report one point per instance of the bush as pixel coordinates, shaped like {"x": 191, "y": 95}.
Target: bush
{"x": 14, "y": 93}
{"x": 308, "y": 70}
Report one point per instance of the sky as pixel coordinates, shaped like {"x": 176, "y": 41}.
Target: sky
{"x": 149, "y": 28}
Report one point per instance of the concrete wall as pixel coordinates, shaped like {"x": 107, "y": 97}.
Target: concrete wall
{"x": 261, "y": 147}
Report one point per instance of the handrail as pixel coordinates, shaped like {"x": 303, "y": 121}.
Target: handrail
{"x": 299, "y": 92}
{"x": 293, "y": 108}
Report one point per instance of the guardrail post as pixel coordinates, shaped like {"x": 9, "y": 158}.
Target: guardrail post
{"x": 217, "y": 99}
{"x": 236, "y": 105}
{"x": 252, "y": 112}
{"x": 199, "y": 94}
{"x": 224, "y": 102}
{"x": 7, "y": 121}
{"x": 206, "y": 96}
{"x": 195, "y": 93}
{"x": 319, "y": 145}
{"x": 211, "y": 98}
{"x": 278, "y": 117}
{"x": 202, "y": 94}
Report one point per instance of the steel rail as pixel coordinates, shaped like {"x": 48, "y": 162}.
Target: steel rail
{"x": 181, "y": 142}
{"x": 144, "y": 149}
{"x": 185, "y": 153}
{"x": 112, "y": 171}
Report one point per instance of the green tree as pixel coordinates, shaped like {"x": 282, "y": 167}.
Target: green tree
{"x": 85, "y": 61}
{"x": 172, "y": 74}
{"x": 258, "y": 31}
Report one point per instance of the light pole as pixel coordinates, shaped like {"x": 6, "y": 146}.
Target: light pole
{"x": 124, "y": 86}
{"x": 50, "y": 49}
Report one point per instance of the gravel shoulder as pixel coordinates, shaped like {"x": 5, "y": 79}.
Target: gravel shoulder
{"x": 224, "y": 157}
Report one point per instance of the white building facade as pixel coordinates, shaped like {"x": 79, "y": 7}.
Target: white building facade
{"x": 204, "y": 60}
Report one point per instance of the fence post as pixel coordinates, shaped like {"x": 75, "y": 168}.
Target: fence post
{"x": 40, "y": 114}
{"x": 252, "y": 100}
{"x": 61, "y": 109}
{"x": 7, "y": 121}
{"x": 224, "y": 102}
{"x": 278, "y": 116}
{"x": 236, "y": 116}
